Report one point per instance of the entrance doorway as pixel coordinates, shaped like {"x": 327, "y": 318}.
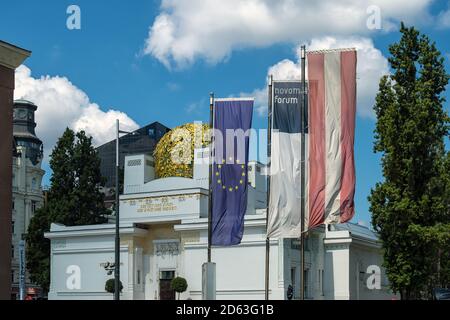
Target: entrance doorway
{"x": 165, "y": 291}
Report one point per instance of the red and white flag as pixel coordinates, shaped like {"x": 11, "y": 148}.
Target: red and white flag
{"x": 332, "y": 107}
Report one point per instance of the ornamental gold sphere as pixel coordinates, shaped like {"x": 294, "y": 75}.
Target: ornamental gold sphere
{"x": 174, "y": 153}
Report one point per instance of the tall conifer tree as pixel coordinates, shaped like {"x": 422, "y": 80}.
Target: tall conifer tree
{"x": 410, "y": 208}
{"x": 74, "y": 199}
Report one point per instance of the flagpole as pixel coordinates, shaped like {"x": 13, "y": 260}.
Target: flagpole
{"x": 269, "y": 154}
{"x": 303, "y": 172}
{"x": 211, "y": 126}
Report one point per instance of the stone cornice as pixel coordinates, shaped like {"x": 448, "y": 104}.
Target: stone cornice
{"x": 202, "y": 224}
{"x": 12, "y": 56}
{"x": 165, "y": 193}
{"x": 103, "y": 230}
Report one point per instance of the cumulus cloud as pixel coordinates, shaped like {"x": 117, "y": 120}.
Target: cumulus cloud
{"x": 61, "y": 104}
{"x": 372, "y": 65}
{"x": 210, "y": 30}
{"x": 443, "y": 20}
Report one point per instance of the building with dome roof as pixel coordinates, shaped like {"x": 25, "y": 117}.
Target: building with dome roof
{"x": 24, "y": 131}
{"x": 26, "y": 183}
{"x": 164, "y": 233}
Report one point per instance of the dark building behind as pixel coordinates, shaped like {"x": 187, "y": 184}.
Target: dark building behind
{"x": 141, "y": 141}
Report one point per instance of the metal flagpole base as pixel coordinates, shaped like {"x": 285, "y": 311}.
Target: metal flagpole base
{"x": 209, "y": 281}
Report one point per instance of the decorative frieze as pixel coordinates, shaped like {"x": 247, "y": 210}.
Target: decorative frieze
{"x": 169, "y": 248}
{"x": 160, "y": 204}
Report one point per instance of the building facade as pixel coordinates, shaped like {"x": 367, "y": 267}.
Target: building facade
{"x": 26, "y": 183}
{"x": 10, "y": 58}
{"x": 163, "y": 229}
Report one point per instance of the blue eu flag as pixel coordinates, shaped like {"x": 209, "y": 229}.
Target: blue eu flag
{"x": 232, "y": 124}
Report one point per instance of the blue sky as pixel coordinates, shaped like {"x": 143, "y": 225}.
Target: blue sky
{"x": 113, "y": 64}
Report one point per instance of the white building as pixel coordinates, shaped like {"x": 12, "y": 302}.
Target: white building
{"x": 27, "y": 179}
{"x": 163, "y": 228}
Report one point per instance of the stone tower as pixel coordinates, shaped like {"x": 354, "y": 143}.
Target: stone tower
{"x": 27, "y": 182}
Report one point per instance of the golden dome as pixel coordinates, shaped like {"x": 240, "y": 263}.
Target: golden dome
{"x": 174, "y": 153}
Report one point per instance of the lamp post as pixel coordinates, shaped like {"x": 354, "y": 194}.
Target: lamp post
{"x": 22, "y": 269}
{"x": 117, "y": 238}
{"x": 303, "y": 173}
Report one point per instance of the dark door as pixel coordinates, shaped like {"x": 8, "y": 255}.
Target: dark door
{"x": 165, "y": 292}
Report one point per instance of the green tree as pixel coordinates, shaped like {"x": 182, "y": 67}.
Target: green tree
{"x": 110, "y": 286}
{"x": 88, "y": 180}
{"x": 179, "y": 285}
{"x": 74, "y": 198}
{"x": 38, "y": 249}
{"x": 410, "y": 208}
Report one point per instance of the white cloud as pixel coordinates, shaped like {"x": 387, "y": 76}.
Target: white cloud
{"x": 185, "y": 31}
{"x": 443, "y": 20}
{"x": 61, "y": 104}
{"x": 372, "y": 65}
{"x": 173, "y": 86}
{"x": 196, "y": 107}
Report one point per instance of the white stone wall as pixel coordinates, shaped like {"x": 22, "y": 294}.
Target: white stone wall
{"x": 175, "y": 211}
{"x": 361, "y": 258}
{"x": 88, "y": 254}
{"x": 240, "y": 270}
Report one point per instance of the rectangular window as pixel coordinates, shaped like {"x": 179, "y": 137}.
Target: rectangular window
{"x": 12, "y": 251}
{"x": 13, "y": 278}
{"x": 167, "y": 275}
{"x": 308, "y": 243}
{"x": 13, "y": 204}
{"x": 305, "y": 278}
{"x": 12, "y": 226}
{"x": 33, "y": 206}
{"x": 139, "y": 277}
{"x": 293, "y": 281}
{"x": 319, "y": 278}
{"x": 323, "y": 286}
